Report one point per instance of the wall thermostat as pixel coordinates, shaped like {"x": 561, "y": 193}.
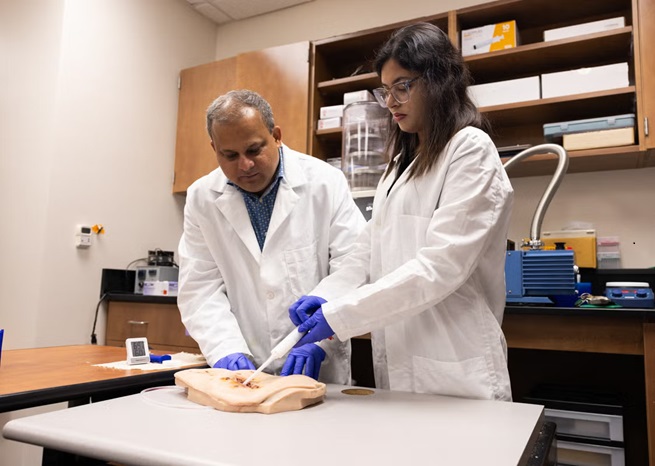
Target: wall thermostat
{"x": 137, "y": 351}
{"x": 82, "y": 237}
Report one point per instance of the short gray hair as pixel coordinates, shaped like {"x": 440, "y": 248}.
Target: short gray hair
{"x": 229, "y": 108}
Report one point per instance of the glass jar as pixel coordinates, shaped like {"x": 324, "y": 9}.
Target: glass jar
{"x": 363, "y": 157}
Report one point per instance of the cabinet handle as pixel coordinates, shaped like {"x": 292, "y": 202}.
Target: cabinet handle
{"x": 137, "y": 322}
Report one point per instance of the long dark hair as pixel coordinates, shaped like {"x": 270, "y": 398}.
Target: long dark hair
{"x": 427, "y": 50}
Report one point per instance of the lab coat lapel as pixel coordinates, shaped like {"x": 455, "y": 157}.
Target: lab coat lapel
{"x": 231, "y": 204}
{"x": 287, "y": 198}
{"x": 384, "y": 193}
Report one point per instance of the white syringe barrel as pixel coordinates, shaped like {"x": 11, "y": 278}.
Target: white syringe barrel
{"x": 282, "y": 348}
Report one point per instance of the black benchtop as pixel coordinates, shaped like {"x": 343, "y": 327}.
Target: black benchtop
{"x": 139, "y": 298}
{"x": 531, "y": 310}
{"x": 580, "y": 311}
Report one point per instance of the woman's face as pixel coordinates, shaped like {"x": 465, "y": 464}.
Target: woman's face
{"x": 408, "y": 115}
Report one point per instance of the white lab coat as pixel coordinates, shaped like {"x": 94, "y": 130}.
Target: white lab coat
{"x": 427, "y": 276}
{"x": 234, "y": 297}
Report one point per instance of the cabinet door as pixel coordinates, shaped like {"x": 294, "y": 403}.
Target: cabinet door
{"x": 646, "y": 37}
{"x": 161, "y": 324}
{"x": 199, "y": 86}
{"x": 281, "y": 75}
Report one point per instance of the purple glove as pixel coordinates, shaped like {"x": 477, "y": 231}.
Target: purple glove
{"x": 308, "y": 357}
{"x": 317, "y": 327}
{"x": 234, "y": 362}
{"x": 303, "y": 308}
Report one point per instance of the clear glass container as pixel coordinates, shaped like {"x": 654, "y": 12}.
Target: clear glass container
{"x": 363, "y": 158}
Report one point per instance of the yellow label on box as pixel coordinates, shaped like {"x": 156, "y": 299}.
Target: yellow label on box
{"x": 489, "y": 38}
{"x": 583, "y": 246}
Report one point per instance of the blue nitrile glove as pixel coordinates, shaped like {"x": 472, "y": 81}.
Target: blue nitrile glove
{"x": 234, "y": 362}
{"x": 317, "y": 327}
{"x": 308, "y": 357}
{"x": 303, "y": 308}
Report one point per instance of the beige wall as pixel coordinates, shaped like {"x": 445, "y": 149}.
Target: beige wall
{"x": 88, "y": 109}
{"x": 615, "y": 203}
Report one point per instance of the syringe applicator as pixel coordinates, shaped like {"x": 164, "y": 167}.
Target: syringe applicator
{"x": 279, "y": 351}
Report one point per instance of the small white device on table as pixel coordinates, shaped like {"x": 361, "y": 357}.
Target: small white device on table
{"x": 137, "y": 351}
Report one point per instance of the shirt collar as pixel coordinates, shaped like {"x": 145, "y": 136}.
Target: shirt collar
{"x": 279, "y": 174}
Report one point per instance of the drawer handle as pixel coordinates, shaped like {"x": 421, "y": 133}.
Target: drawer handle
{"x": 137, "y": 322}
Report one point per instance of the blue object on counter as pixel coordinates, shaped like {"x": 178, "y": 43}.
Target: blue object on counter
{"x": 159, "y": 359}
{"x": 570, "y": 299}
{"x": 631, "y": 294}
{"x": 2, "y": 333}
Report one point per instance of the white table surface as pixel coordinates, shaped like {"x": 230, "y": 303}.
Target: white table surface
{"x": 162, "y": 427}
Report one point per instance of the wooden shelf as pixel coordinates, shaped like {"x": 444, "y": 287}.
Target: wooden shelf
{"x": 349, "y": 84}
{"x": 611, "y": 158}
{"x": 564, "y": 108}
{"x": 547, "y": 57}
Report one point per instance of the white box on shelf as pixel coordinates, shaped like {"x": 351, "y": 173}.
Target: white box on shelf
{"x": 357, "y": 96}
{"x": 489, "y": 38}
{"x": 585, "y": 28}
{"x": 331, "y": 111}
{"x": 505, "y": 92}
{"x": 328, "y": 123}
{"x": 596, "y": 78}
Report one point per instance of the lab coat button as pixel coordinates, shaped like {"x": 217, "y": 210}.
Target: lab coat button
{"x": 270, "y": 295}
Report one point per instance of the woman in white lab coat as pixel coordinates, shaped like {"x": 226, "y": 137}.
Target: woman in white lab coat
{"x": 427, "y": 275}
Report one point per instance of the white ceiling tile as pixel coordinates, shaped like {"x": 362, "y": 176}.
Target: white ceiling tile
{"x": 224, "y": 11}
{"x": 213, "y": 13}
{"x": 241, "y": 9}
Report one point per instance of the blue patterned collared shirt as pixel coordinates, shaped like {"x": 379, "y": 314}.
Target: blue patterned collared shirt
{"x": 260, "y": 208}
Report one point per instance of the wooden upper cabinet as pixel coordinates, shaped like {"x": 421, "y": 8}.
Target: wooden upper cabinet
{"x": 342, "y": 64}
{"x": 280, "y": 74}
{"x": 646, "y": 72}
{"x": 199, "y": 86}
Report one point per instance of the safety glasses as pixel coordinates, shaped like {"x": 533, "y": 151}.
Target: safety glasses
{"x": 399, "y": 91}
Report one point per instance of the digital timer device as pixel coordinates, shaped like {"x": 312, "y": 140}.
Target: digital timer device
{"x": 137, "y": 351}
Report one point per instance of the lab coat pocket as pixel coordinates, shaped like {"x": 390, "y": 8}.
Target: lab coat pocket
{"x": 467, "y": 379}
{"x": 302, "y": 269}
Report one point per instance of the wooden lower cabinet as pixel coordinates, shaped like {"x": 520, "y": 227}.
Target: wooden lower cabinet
{"x": 159, "y": 323}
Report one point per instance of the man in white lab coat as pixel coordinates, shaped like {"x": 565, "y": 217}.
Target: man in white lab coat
{"x": 260, "y": 231}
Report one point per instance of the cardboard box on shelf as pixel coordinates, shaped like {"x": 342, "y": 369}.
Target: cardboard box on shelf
{"x": 579, "y": 81}
{"x": 583, "y": 243}
{"x": 357, "y": 96}
{"x": 489, "y": 38}
{"x": 505, "y": 92}
{"x": 585, "y": 28}
{"x": 597, "y": 139}
{"x": 331, "y": 111}
{"x": 328, "y": 123}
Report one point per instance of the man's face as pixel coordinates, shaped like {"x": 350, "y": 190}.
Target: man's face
{"x": 246, "y": 152}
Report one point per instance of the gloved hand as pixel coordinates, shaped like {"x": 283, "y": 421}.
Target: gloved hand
{"x": 317, "y": 327}
{"x": 308, "y": 357}
{"x": 303, "y": 308}
{"x": 234, "y": 362}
